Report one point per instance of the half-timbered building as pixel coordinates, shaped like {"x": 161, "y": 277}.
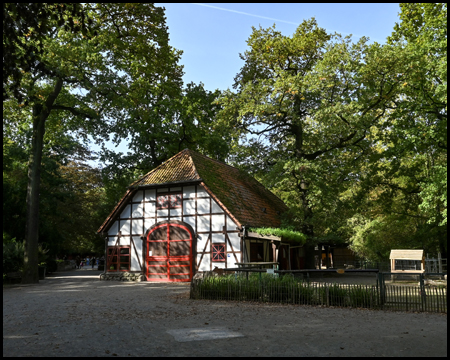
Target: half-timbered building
{"x": 189, "y": 215}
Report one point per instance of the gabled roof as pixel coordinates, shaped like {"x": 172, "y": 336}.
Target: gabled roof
{"x": 244, "y": 199}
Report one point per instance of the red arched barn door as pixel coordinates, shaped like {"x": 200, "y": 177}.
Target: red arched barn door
{"x": 169, "y": 252}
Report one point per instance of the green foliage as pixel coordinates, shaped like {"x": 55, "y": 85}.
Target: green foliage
{"x": 285, "y": 234}
{"x": 187, "y": 120}
{"x": 12, "y": 255}
{"x": 13, "y": 251}
{"x": 362, "y": 297}
{"x": 402, "y": 192}
{"x": 334, "y": 295}
{"x": 434, "y": 196}
{"x": 25, "y": 26}
{"x": 351, "y": 136}
{"x": 72, "y": 199}
{"x": 308, "y": 103}
{"x": 285, "y": 289}
{"x": 85, "y": 82}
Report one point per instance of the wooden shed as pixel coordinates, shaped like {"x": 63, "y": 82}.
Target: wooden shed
{"x": 407, "y": 261}
{"x": 188, "y": 215}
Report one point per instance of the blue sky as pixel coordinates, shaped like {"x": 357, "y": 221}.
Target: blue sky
{"x": 211, "y": 36}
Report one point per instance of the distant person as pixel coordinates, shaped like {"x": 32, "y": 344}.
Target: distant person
{"x": 78, "y": 262}
{"x": 93, "y": 262}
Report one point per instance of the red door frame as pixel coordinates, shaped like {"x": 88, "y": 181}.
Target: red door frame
{"x": 169, "y": 258}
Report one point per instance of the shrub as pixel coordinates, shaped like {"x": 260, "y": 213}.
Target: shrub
{"x": 336, "y": 295}
{"x": 305, "y": 294}
{"x": 361, "y": 297}
{"x": 12, "y": 256}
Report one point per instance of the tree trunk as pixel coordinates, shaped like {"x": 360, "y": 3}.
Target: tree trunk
{"x": 40, "y": 115}
{"x": 307, "y": 228}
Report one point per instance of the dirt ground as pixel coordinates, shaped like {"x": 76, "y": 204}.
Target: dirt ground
{"x": 75, "y": 314}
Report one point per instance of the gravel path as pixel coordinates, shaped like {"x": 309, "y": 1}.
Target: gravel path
{"x": 75, "y": 314}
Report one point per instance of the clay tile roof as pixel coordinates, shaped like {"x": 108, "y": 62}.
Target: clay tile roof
{"x": 244, "y": 198}
{"x": 178, "y": 168}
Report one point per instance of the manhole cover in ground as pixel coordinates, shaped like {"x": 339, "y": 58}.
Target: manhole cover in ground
{"x": 183, "y": 335}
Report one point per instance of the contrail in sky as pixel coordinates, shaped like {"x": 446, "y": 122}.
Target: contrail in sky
{"x": 244, "y": 13}
{"x": 263, "y": 17}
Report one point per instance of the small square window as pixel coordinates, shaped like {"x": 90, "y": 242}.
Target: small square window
{"x": 169, "y": 201}
{"x": 218, "y": 252}
{"x": 118, "y": 258}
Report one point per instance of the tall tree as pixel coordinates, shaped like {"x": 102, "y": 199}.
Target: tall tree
{"x": 310, "y": 100}
{"x": 421, "y": 114}
{"x": 414, "y": 170}
{"x": 88, "y": 79}
{"x": 403, "y": 193}
{"x": 160, "y": 126}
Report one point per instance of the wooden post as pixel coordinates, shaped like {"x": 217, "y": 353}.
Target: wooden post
{"x": 422, "y": 292}
{"x": 381, "y": 288}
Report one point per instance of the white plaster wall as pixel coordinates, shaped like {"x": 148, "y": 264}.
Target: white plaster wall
{"x": 125, "y": 227}
{"x": 203, "y": 206}
{"x": 218, "y": 238}
{"x": 150, "y": 209}
{"x": 125, "y": 241}
{"x": 215, "y": 208}
{"x": 235, "y": 241}
{"x": 137, "y": 210}
{"x": 188, "y": 192}
{"x": 190, "y": 220}
{"x": 201, "y": 241}
{"x": 114, "y": 229}
{"x": 134, "y": 259}
{"x": 137, "y": 226}
{"x": 203, "y": 223}
{"x": 139, "y": 196}
{"x": 112, "y": 241}
{"x": 148, "y": 223}
{"x": 219, "y": 264}
{"x": 150, "y": 195}
{"x": 188, "y": 207}
{"x": 126, "y": 213}
{"x": 163, "y": 212}
{"x": 217, "y": 222}
{"x": 204, "y": 266}
{"x": 176, "y": 212}
{"x": 231, "y": 225}
{"x": 231, "y": 261}
{"x": 162, "y": 218}
{"x": 201, "y": 192}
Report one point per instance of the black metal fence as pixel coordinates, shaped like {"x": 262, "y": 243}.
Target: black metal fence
{"x": 287, "y": 289}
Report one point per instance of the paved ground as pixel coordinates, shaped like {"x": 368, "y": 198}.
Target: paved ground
{"x": 75, "y": 314}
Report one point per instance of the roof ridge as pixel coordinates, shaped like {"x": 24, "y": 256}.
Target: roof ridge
{"x": 209, "y": 158}
{"x": 192, "y": 162}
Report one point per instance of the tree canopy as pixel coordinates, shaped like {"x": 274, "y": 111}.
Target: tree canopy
{"x": 85, "y": 81}
{"x": 352, "y": 135}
